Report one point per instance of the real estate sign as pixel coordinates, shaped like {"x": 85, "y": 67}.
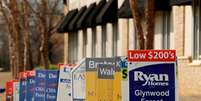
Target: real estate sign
{"x": 78, "y": 81}
{"x": 16, "y": 88}
{"x": 105, "y": 82}
{"x": 121, "y": 80}
{"x": 152, "y": 75}
{"x": 40, "y": 85}
{"x": 30, "y": 85}
{"x": 65, "y": 83}
{"x": 23, "y": 86}
{"x": 92, "y": 86}
{"x": 9, "y": 90}
{"x": 51, "y": 85}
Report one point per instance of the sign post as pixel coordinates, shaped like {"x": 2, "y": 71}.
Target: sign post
{"x": 152, "y": 75}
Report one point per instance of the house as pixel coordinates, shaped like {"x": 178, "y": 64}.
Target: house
{"x": 104, "y": 28}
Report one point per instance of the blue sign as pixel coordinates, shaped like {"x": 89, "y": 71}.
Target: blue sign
{"x": 40, "y": 85}
{"x": 52, "y": 77}
{"x": 23, "y": 92}
{"x": 30, "y": 88}
{"x": 152, "y": 82}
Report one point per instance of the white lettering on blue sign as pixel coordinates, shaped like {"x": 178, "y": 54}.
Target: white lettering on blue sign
{"x": 51, "y": 90}
{"x": 40, "y": 89}
{"x": 41, "y": 75}
{"x": 151, "y": 93}
{"x": 52, "y": 76}
{"x": 151, "y": 79}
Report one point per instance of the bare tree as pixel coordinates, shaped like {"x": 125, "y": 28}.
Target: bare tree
{"x": 150, "y": 21}
{"x": 28, "y": 64}
{"x": 21, "y": 17}
{"x": 145, "y": 38}
{"x": 11, "y": 14}
{"x": 46, "y": 19}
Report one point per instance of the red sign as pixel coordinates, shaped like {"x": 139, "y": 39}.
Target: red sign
{"x": 152, "y": 55}
{"x": 23, "y": 75}
{"x": 30, "y": 73}
{"x": 64, "y": 65}
{"x": 9, "y": 90}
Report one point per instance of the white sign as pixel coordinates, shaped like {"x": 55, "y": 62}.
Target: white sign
{"x": 16, "y": 89}
{"x": 78, "y": 82}
{"x": 64, "y": 86}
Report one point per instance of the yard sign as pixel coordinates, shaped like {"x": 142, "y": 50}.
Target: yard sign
{"x": 152, "y": 75}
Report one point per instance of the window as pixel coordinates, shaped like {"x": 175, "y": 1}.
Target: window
{"x": 166, "y": 30}
{"x": 115, "y": 39}
{"x": 162, "y": 30}
{"x": 104, "y": 39}
{"x": 73, "y": 47}
{"x": 197, "y": 28}
{"x": 94, "y": 42}
{"x": 84, "y": 43}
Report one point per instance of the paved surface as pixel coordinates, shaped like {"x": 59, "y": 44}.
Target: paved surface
{"x": 189, "y": 84}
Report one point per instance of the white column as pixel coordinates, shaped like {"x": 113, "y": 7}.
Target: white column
{"x": 99, "y": 41}
{"x": 73, "y": 4}
{"x": 188, "y": 31}
{"x": 80, "y": 44}
{"x": 158, "y": 36}
{"x": 172, "y": 34}
{"x": 109, "y": 40}
{"x": 89, "y": 42}
{"x": 122, "y": 43}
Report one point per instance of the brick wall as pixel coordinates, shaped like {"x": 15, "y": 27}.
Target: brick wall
{"x": 179, "y": 29}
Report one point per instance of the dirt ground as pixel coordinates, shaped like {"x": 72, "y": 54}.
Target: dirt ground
{"x": 4, "y": 76}
{"x": 189, "y": 84}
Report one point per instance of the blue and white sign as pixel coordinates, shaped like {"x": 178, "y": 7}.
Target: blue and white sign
{"x": 23, "y": 87}
{"x": 30, "y": 85}
{"x": 65, "y": 84}
{"x": 52, "y": 77}
{"x": 16, "y": 88}
{"x": 152, "y": 81}
{"x": 40, "y": 85}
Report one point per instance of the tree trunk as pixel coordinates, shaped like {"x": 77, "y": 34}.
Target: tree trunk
{"x": 45, "y": 36}
{"x": 16, "y": 32}
{"x": 12, "y": 56}
{"x": 150, "y": 22}
{"x": 28, "y": 65}
{"x": 137, "y": 23}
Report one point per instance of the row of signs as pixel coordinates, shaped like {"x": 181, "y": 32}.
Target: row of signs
{"x": 146, "y": 75}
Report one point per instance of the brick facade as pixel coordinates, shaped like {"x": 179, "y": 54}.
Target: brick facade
{"x": 181, "y": 34}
